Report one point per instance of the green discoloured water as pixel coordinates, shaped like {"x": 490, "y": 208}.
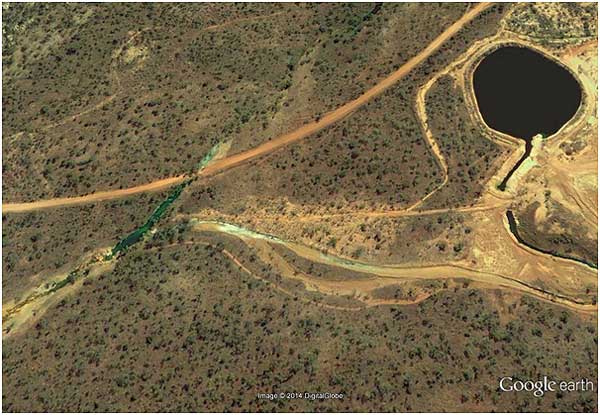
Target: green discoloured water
{"x": 239, "y": 231}
{"x": 71, "y": 278}
{"x": 139, "y": 233}
{"x": 208, "y": 157}
{"x": 313, "y": 253}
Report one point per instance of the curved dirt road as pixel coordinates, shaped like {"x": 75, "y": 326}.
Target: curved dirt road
{"x": 402, "y": 272}
{"x": 273, "y": 145}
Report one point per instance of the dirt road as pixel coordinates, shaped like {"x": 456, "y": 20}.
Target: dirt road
{"x": 273, "y": 145}
{"x": 393, "y": 273}
{"x": 93, "y": 197}
{"x": 346, "y": 109}
{"x": 403, "y": 213}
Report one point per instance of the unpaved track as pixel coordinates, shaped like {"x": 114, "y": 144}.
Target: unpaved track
{"x": 241, "y": 20}
{"x": 407, "y": 272}
{"x": 94, "y": 197}
{"x": 403, "y": 213}
{"x": 346, "y": 109}
{"x": 433, "y": 145}
{"x": 271, "y": 146}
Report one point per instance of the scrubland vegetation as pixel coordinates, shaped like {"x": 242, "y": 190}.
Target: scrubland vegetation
{"x": 184, "y": 329}
{"x": 160, "y": 87}
{"x": 469, "y": 154}
{"x": 45, "y": 241}
{"x": 555, "y": 21}
{"x": 100, "y": 96}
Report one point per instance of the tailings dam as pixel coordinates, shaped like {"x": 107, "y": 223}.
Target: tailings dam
{"x": 523, "y": 93}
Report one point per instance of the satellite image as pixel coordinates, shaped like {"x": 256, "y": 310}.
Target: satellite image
{"x": 299, "y": 207}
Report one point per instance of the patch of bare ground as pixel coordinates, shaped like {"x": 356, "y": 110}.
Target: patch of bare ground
{"x": 556, "y": 201}
{"x": 558, "y": 231}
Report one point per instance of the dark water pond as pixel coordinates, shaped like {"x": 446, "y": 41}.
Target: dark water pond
{"x": 522, "y": 93}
